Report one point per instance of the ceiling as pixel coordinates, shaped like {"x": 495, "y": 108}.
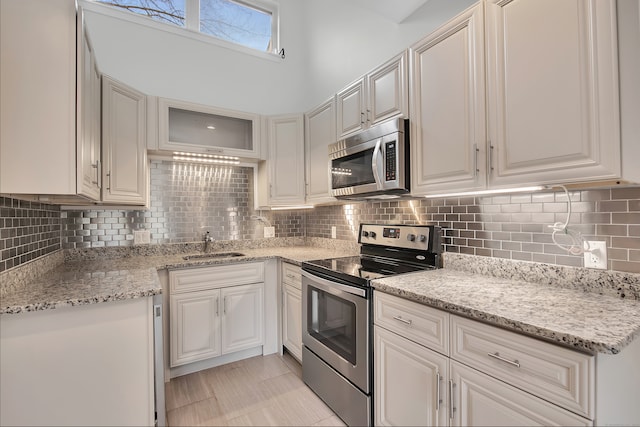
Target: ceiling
{"x": 394, "y": 10}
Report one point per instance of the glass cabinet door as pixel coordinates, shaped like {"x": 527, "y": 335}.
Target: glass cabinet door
{"x": 202, "y": 129}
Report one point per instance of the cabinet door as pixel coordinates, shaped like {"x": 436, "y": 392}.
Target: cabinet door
{"x": 242, "y": 317}
{"x": 409, "y": 382}
{"x": 553, "y": 94}
{"x": 320, "y": 131}
{"x": 292, "y": 320}
{"x": 194, "y": 326}
{"x": 479, "y": 399}
{"x": 351, "y": 109}
{"x": 388, "y": 92}
{"x": 37, "y": 97}
{"x": 286, "y": 160}
{"x": 124, "y": 143}
{"x": 88, "y": 117}
{"x": 188, "y": 127}
{"x": 448, "y": 131}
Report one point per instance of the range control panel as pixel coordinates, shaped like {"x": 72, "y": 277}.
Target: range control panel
{"x": 397, "y": 236}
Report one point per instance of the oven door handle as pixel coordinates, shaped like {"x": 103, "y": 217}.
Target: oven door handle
{"x": 376, "y": 165}
{"x": 330, "y": 286}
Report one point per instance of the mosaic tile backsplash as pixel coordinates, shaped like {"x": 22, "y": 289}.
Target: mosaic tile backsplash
{"x": 188, "y": 199}
{"x": 28, "y": 230}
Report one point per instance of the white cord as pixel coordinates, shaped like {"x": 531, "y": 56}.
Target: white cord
{"x": 577, "y": 245}
{"x": 262, "y": 219}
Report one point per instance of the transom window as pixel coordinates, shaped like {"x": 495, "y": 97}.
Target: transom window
{"x": 250, "y": 23}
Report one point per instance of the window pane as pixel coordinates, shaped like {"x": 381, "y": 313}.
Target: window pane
{"x": 236, "y": 22}
{"x": 168, "y": 11}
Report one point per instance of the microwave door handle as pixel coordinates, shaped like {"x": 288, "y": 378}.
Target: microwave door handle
{"x": 376, "y": 164}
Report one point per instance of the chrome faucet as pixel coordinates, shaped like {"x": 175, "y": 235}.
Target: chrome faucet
{"x": 207, "y": 239}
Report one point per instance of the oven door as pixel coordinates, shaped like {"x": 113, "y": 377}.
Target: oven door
{"x": 335, "y": 318}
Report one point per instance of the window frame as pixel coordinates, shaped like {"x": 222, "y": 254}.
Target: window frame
{"x": 191, "y": 29}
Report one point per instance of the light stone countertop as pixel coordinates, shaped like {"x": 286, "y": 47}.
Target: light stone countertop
{"x": 94, "y": 281}
{"x": 585, "y": 321}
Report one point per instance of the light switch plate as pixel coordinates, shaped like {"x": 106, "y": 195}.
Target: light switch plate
{"x": 333, "y": 232}
{"x": 269, "y": 232}
{"x": 597, "y": 255}
{"x": 141, "y": 237}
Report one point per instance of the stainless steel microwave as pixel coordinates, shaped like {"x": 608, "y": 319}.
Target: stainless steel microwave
{"x": 373, "y": 163}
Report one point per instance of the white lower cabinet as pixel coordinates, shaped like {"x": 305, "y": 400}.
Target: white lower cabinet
{"x": 409, "y": 382}
{"x": 483, "y": 376}
{"x": 195, "y": 326}
{"x": 225, "y": 318}
{"x": 241, "y": 322}
{"x": 481, "y": 400}
{"x": 78, "y": 366}
{"x": 292, "y": 309}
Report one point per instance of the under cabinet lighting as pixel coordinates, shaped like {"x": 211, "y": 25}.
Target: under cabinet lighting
{"x": 488, "y": 192}
{"x": 205, "y": 158}
{"x": 284, "y": 208}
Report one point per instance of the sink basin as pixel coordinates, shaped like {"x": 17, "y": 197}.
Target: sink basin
{"x": 213, "y": 255}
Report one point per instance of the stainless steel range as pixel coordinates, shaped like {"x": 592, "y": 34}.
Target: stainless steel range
{"x": 337, "y": 312}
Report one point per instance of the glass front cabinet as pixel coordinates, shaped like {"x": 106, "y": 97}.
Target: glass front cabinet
{"x": 195, "y": 128}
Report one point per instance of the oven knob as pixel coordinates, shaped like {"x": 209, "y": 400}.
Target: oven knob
{"x": 422, "y": 238}
{"x": 373, "y": 234}
{"x": 411, "y": 237}
{"x": 365, "y": 234}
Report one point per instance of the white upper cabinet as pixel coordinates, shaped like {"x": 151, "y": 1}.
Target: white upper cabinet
{"x": 124, "y": 149}
{"x": 447, "y": 93}
{"x": 552, "y": 110}
{"x": 320, "y": 131}
{"x": 380, "y": 95}
{"x": 88, "y": 116}
{"x": 281, "y": 177}
{"x": 38, "y": 66}
{"x": 194, "y": 128}
{"x": 552, "y": 74}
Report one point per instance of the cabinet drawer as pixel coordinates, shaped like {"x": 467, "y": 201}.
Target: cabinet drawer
{"x": 559, "y": 375}
{"x": 291, "y": 275}
{"x": 425, "y": 325}
{"x": 194, "y": 279}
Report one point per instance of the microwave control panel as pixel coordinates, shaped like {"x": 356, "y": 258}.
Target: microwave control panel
{"x": 390, "y": 159}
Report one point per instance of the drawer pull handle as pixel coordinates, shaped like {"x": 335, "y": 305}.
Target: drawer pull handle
{"x": 291, "y": 276}
{"x": 496, "y": 355}
{"x": 438, "y": 398}
{"x": 452, "y": 408}
{"x": 399, "y": 318}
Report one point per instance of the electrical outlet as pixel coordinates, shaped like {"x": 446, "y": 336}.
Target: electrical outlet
{"x": 269, "y": 232}
{"x": 597, "y": 255}
{"x": 141, "y": 237}
{"x": 333, "y": 232}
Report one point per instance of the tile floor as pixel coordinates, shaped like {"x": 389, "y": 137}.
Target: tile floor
{"x": 260, "y": 391}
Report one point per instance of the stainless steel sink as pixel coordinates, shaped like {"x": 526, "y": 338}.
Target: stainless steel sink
{"x": 213, "y": 255}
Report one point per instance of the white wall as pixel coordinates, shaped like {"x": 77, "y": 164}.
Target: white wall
{"x": 346, "y": 41}
{"x": 328, "y": 43}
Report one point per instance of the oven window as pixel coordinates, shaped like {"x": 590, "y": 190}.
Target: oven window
{"x": 332, "y": 321}
{"x": 352, "y": 170}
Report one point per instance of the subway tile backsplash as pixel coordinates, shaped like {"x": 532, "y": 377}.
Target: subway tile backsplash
{"x": 188, "y": 199}
{"x": 28, "y": 230}
{"x": 507, "y": 226}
